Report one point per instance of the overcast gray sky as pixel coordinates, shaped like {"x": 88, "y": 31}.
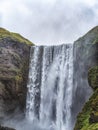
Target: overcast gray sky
{"x": 49, "y": 21}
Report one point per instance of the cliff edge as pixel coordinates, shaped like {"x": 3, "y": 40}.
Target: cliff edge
{"x": 14, "y": 65}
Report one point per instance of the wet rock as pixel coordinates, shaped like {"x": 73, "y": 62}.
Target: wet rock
{"x": 5, "y": 128}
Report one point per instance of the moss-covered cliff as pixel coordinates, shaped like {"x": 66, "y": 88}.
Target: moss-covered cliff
{"x": 88, "y": 118}
{"x": 15, "y": 36}
{"x": 14, "y": 64}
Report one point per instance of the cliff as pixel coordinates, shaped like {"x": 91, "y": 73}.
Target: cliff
{"x": 14, "y": 64}
{"x": 88, "y": 118}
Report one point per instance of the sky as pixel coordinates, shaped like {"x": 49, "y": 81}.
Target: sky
{"x": 48, "y": 22}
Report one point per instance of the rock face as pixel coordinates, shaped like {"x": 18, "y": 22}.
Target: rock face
{"x": 88, "y": 117}
{"x": 14, "y": 64}
{"x": 5, "y": 128}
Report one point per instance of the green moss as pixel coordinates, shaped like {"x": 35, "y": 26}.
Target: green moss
{"x": 87, "y": 45}
{"x": 20, "y": 38}
{"x": 18, "y": 78}
{"x": 3, "y": 31}
{"x": 84, "y": 118}
{"x": 15, "y": 36}
{"x": 93, "y": 127}
{"x": 93, "y": 77}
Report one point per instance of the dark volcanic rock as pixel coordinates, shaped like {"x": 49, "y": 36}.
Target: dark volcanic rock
{"x": 14, "y": 64}
{"x": 5, "y": 128}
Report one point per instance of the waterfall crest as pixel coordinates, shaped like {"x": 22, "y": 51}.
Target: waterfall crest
{"x": 50, "y": 86}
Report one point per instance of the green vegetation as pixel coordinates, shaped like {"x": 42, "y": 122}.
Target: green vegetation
{"x": 93, "y": 77}
{"x": 88, "y": 118}
{"x": 15, "y": 36}
{"x": 84, "y": 120}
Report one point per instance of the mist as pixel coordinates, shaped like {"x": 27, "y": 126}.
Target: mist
{"x": 25, "y": 125}
{"x": 49, "y": 22}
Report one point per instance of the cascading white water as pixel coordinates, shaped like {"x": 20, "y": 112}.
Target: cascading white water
{"x": 50, "y": 86}
{"x": 64, "y": 95}
{"x": 32, "y": 87}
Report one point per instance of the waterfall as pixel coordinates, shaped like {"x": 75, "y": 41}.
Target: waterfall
{"x": 50, "y": 86}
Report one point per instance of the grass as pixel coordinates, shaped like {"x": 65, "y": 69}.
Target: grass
{"x": 4, "y": 33}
